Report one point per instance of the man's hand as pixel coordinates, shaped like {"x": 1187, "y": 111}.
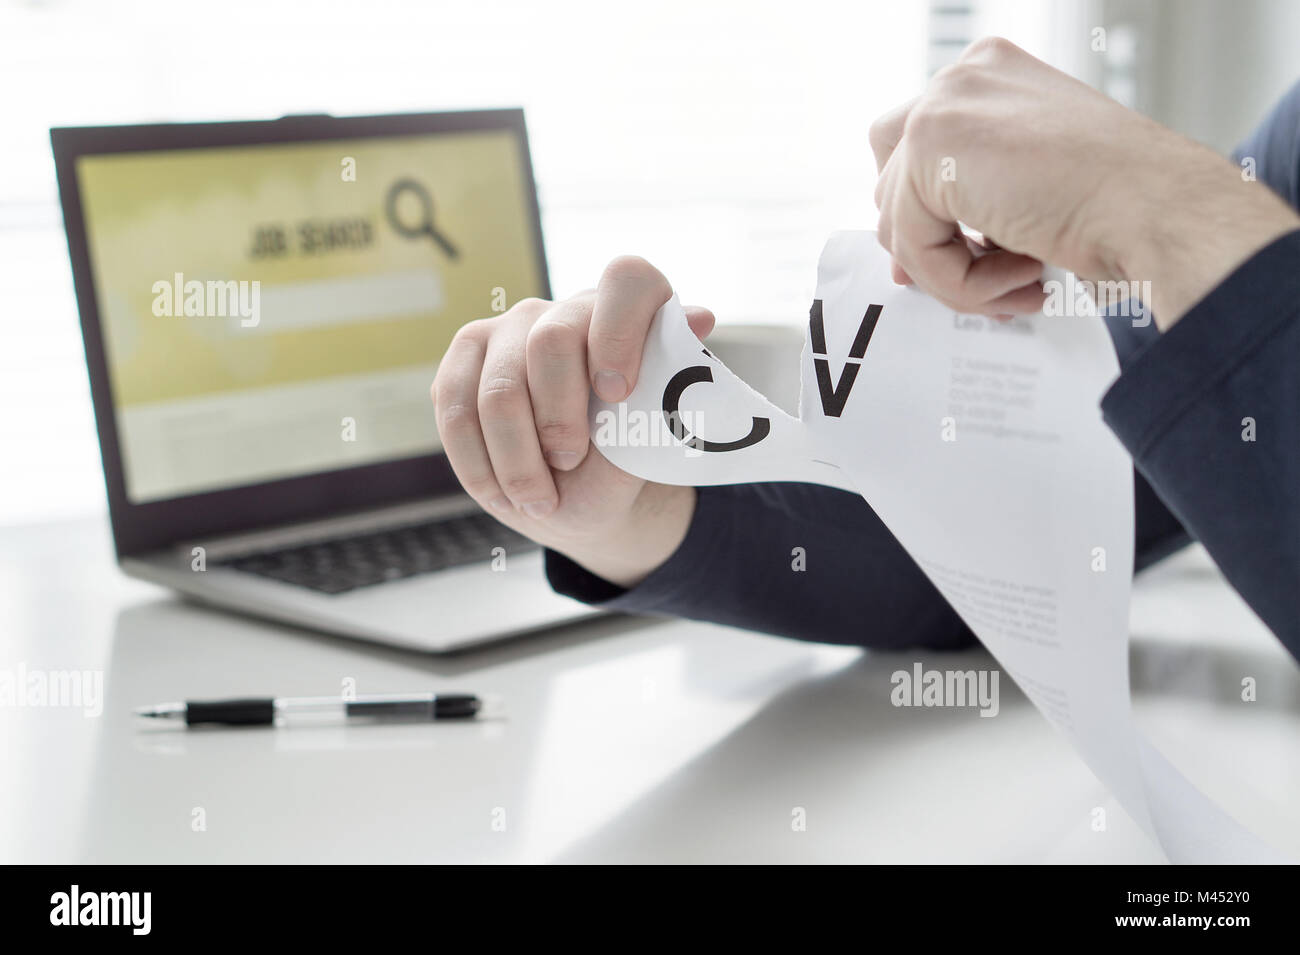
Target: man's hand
{"x": 1049, "y": 170}
{"x": 511, "y": 400}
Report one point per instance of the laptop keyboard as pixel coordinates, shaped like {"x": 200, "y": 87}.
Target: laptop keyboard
{"x": 347, "y": 563}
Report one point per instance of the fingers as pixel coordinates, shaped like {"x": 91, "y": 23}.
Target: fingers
{"x": 557, "y": 377}
{"x": 929, "y": 249}
{"x": 701, "y": 320}
{"x": 887, "y": 131}
{"x": 995, "y": 284}
{"x": 926, "y": 244}
{"x": 556, "y": 352}
{"x": 455, "y": 398}
{"x": 511, "y": 392}
{"x": 1021, "y": 301}
{"x": 505, "y": 412}
{"x": 630, "y": 291}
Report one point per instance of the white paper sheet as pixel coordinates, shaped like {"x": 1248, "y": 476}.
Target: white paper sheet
{"x": 981, "y": 446}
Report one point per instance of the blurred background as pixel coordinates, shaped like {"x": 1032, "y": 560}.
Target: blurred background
{"x": 721, "y": 140}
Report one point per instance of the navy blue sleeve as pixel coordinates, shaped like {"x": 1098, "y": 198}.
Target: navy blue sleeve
{"x": 1211, "y": 415}
{"x": 1274, "y": 147}
{"x": 797, "y": 560}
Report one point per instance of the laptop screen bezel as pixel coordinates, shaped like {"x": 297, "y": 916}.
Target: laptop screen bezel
{"x": 140, "y": 528}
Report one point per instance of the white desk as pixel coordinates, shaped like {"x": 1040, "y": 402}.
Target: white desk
{"x": 627, "y": 740}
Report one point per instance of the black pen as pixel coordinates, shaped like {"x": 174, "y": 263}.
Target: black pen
{"x": 289, "y": 711}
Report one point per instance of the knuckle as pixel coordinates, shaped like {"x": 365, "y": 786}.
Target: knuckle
{"x": 455, "y": 417}
{"x": 447, "y": 388}
{"x": 618, "y": 342}
{"x": 439, "y": 389}
{"x": 557, "y": 434}
{"x": 530, "y": 308}
{"x": 617, "y": 353}
{"x": 957, "y": 82}
{"x": 885, "y": 232}
{"x": 634, "y": 269}
{"x": 501, "y": 396}
{"x": 554, "y": 339}
{"x": 989, "y": 48}
{"x": 481, "y": 487}
{"x": 945, "y": 80}
{"x": 471, "y": 334}
{"x": 618, "y": 339}
{"x": 935, "y": 127}
{"x": 923, "y": 123}
{"x": 876, "y": 134}
{"x": 881, "y": 185}
{"x": 522, "y": 486}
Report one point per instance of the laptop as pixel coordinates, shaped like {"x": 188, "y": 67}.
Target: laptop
{"x": 264, "y": 305}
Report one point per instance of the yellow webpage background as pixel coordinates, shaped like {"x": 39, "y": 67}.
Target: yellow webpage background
{"x": 197, "y": 212}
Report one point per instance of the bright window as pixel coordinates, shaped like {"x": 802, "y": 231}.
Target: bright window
{"x": 721, "y": 140}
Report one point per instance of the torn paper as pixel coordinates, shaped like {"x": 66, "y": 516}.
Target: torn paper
{"x": 981, "y": 447}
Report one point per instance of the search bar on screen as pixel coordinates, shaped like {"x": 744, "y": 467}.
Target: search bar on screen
{"x": 347, "y": 300}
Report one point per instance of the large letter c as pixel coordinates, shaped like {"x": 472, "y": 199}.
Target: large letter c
{"x": 672, "y": 414}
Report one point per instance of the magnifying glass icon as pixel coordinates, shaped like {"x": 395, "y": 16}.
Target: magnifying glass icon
{"x": 425, "y": 226}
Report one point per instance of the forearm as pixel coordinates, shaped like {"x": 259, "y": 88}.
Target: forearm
{"x": 794, "y": 560}
{"x": 1193, "y": 219}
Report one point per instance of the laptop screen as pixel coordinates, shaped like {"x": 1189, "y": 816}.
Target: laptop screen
{"x": 278, "y": 310}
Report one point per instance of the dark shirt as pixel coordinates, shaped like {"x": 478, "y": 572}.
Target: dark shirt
{"x": 1209, "y": 412}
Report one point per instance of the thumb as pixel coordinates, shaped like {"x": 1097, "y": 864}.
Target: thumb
{"x": 700, "y": 319}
